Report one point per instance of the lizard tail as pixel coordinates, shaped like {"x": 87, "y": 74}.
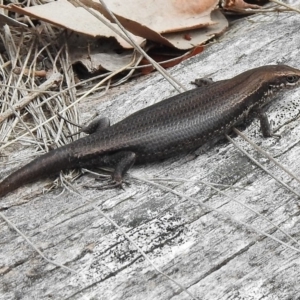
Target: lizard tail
{"x": 41, "y": 167}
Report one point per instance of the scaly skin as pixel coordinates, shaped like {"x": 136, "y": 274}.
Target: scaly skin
{"x": 177, "y": 124}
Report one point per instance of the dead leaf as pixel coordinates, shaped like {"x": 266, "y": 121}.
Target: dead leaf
{"x": 98, "y": 54}
{"x": 73, "y": 18}
{"x": 164, "y": 57}
{"x": 150, "y": 19}
{"x": 238, "y": 5}
{"x": 162, "y": 16}
{"x": 175, "y": 23}
{"x": 153, "y": 18}
{"x": 198, "y": 36}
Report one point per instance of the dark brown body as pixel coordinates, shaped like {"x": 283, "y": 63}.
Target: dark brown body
{"x": 177, "y": 124}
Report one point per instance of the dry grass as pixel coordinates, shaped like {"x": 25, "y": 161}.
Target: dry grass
{"x": 36, "y": 99}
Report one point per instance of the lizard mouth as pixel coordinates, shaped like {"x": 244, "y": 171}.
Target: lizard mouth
{"x": 276, "y": 88}
{"x": 273, "y": 89}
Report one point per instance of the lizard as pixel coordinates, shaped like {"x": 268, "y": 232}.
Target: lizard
{"x": 177, "y": 124}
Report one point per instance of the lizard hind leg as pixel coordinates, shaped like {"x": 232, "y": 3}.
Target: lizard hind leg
{"x": 122, "y": 161}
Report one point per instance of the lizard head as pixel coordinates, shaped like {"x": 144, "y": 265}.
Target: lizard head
{"x": 279, "y": 77}
{"x": 267, "y": 80}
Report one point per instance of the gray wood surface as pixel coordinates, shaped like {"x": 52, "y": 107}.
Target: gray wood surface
{"x": 212, "y": 256}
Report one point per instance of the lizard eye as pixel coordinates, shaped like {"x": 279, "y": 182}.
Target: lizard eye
{"x": 292, "y": 79}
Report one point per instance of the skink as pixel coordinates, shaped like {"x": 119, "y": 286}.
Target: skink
{"x": 174, "y": 125}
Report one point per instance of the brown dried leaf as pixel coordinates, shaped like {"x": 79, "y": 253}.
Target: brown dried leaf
{"x": 163, "y": 16}
{"x": 164, "y": 57}
{"x": 73, "y": 18}
{"x": 152, "y": 18}
{"x": 97, "y": 55}
{"x": 238, "y": 5}
{"x": 191, "y": 38}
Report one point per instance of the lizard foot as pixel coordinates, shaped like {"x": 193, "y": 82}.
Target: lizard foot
{"x": 111, "y": 184}
{"x": 278, "y": 136}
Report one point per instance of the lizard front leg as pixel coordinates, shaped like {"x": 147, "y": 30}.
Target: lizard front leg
{"x": 265, "y": 125}
{"x": 201, "y": 82}
{"x": 95, "y": 125}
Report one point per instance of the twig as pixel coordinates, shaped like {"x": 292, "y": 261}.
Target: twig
{"x": 286, "y": 5}
{"x": 146, "y": 257}
{"x": 20, "y": 119}
{"x": 33, "y": 246}
{"x": 262, "y": 167}
{"x": 259, "y": 149}
{"x": 211, "y": 185}
{"x": 228, "y": 216}
{"x": 67, "y": 107}
{"x": 54, "y": 79}
{"x": 128, "y": 39}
